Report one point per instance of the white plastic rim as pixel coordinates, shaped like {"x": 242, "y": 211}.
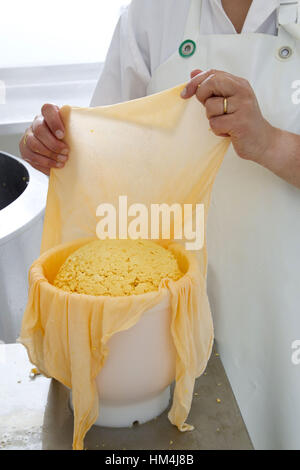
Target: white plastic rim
{"x": 28, "y": 207}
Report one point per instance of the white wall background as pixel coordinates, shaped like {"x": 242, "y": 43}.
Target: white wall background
{"x": 36, "y": 33}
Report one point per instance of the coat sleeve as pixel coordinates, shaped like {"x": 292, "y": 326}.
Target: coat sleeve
{"x": 126, "y": 71}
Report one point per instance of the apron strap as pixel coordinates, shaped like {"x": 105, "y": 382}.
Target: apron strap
{"x": 288, "y": 12}
{"x": 288, "y": 18}
{"x": 193, "y": 19}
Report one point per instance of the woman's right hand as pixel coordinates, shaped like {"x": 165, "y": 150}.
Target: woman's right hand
{"x": 42, "y": 145}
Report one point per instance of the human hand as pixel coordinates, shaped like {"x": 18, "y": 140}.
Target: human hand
{"x": 42, "y": 145}
{"x": 251, "y": 134}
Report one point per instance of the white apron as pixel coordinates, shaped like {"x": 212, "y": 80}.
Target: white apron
{"x": 253, "y": 233}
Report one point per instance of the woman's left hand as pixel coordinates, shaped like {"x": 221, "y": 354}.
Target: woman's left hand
{"x": 250, "y": 133}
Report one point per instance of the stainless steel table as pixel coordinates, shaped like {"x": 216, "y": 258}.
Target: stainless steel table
{"x": 34, "y": 414}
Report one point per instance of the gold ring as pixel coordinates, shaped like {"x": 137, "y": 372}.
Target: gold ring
{"x": 25, "y": 138}
{"x": 225, "y": 105}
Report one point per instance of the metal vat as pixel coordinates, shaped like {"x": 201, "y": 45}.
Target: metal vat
{"x": 23, "y": 192}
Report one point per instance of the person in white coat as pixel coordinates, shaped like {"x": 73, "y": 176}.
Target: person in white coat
{"x": 241, "y": 60}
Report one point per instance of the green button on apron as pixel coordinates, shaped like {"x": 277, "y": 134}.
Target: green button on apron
{"x": 187, "y": 48}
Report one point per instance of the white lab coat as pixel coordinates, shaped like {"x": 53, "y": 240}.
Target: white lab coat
{"x": 149, "y": 31}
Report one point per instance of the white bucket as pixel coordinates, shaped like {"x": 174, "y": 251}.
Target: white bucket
{"x": 134, "y": 383}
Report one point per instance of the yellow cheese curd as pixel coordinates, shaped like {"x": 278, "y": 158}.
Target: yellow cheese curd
{"x": 117, "y": 267}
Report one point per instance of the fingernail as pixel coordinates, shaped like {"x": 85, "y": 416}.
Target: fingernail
{"x": 59, "y": 165}
{"x": 59, "y": 134}
{"x": 183, "y": 93}
{"x": 62, "y": 158}
{"x": 65, "y": 151}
